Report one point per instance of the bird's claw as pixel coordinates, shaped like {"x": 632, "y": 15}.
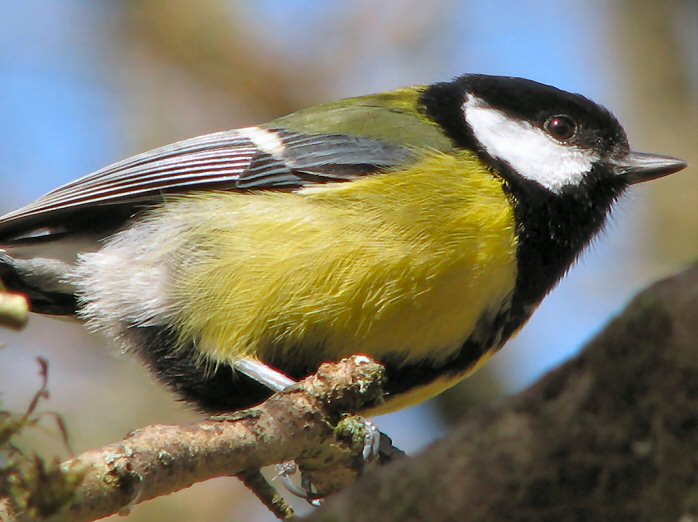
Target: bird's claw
{"x": 285, "y": 470}
{"x": 378, "y": 447}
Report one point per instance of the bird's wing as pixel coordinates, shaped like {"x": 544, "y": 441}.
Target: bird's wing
{"x": 244, "y": 159}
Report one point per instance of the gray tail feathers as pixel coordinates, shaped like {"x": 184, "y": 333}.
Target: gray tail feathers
{"x": 43, "y": 281}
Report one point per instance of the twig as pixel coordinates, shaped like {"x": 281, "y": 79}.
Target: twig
{"x": 267, "y": 495}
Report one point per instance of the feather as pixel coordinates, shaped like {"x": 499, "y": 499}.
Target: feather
{"x": 252, "y": 158}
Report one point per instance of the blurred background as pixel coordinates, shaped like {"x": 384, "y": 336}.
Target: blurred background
{"x": 84, "y": 84}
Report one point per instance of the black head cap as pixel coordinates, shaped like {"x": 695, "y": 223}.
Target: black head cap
{"x": 536, "y": 102}
{"x": 526, "y": 100}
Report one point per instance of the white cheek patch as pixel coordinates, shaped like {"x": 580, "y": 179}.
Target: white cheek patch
{"x": 528, "y": 149}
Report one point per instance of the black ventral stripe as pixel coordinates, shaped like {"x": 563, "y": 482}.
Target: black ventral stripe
{"x": 553, "y": 230}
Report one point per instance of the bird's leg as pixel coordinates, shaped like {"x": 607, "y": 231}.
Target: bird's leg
{"x": 264, "y": 375}
{"x": 376, "y": 444}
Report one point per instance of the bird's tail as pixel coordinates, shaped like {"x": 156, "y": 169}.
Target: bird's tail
{"x": 44, "y": 280}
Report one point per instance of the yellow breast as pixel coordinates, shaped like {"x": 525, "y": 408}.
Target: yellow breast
{"x": 400, "y": 264}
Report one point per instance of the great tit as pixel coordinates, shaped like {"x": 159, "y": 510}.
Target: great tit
{"x": 420, "y": 227}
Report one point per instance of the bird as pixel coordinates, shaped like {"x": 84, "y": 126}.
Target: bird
{"x": 420, "y": 227}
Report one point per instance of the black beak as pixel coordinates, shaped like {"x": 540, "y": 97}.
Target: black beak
{"x": 637, "y": 167}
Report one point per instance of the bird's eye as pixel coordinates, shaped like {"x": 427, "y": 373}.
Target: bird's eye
{"x": 561, "y": 127}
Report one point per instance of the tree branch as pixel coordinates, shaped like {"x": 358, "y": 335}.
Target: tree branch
{"x": 610, "y": 436}
{"x": 297, "y": 424}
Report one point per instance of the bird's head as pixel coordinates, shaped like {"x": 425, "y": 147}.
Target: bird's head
{"x": 533, "y": 133}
